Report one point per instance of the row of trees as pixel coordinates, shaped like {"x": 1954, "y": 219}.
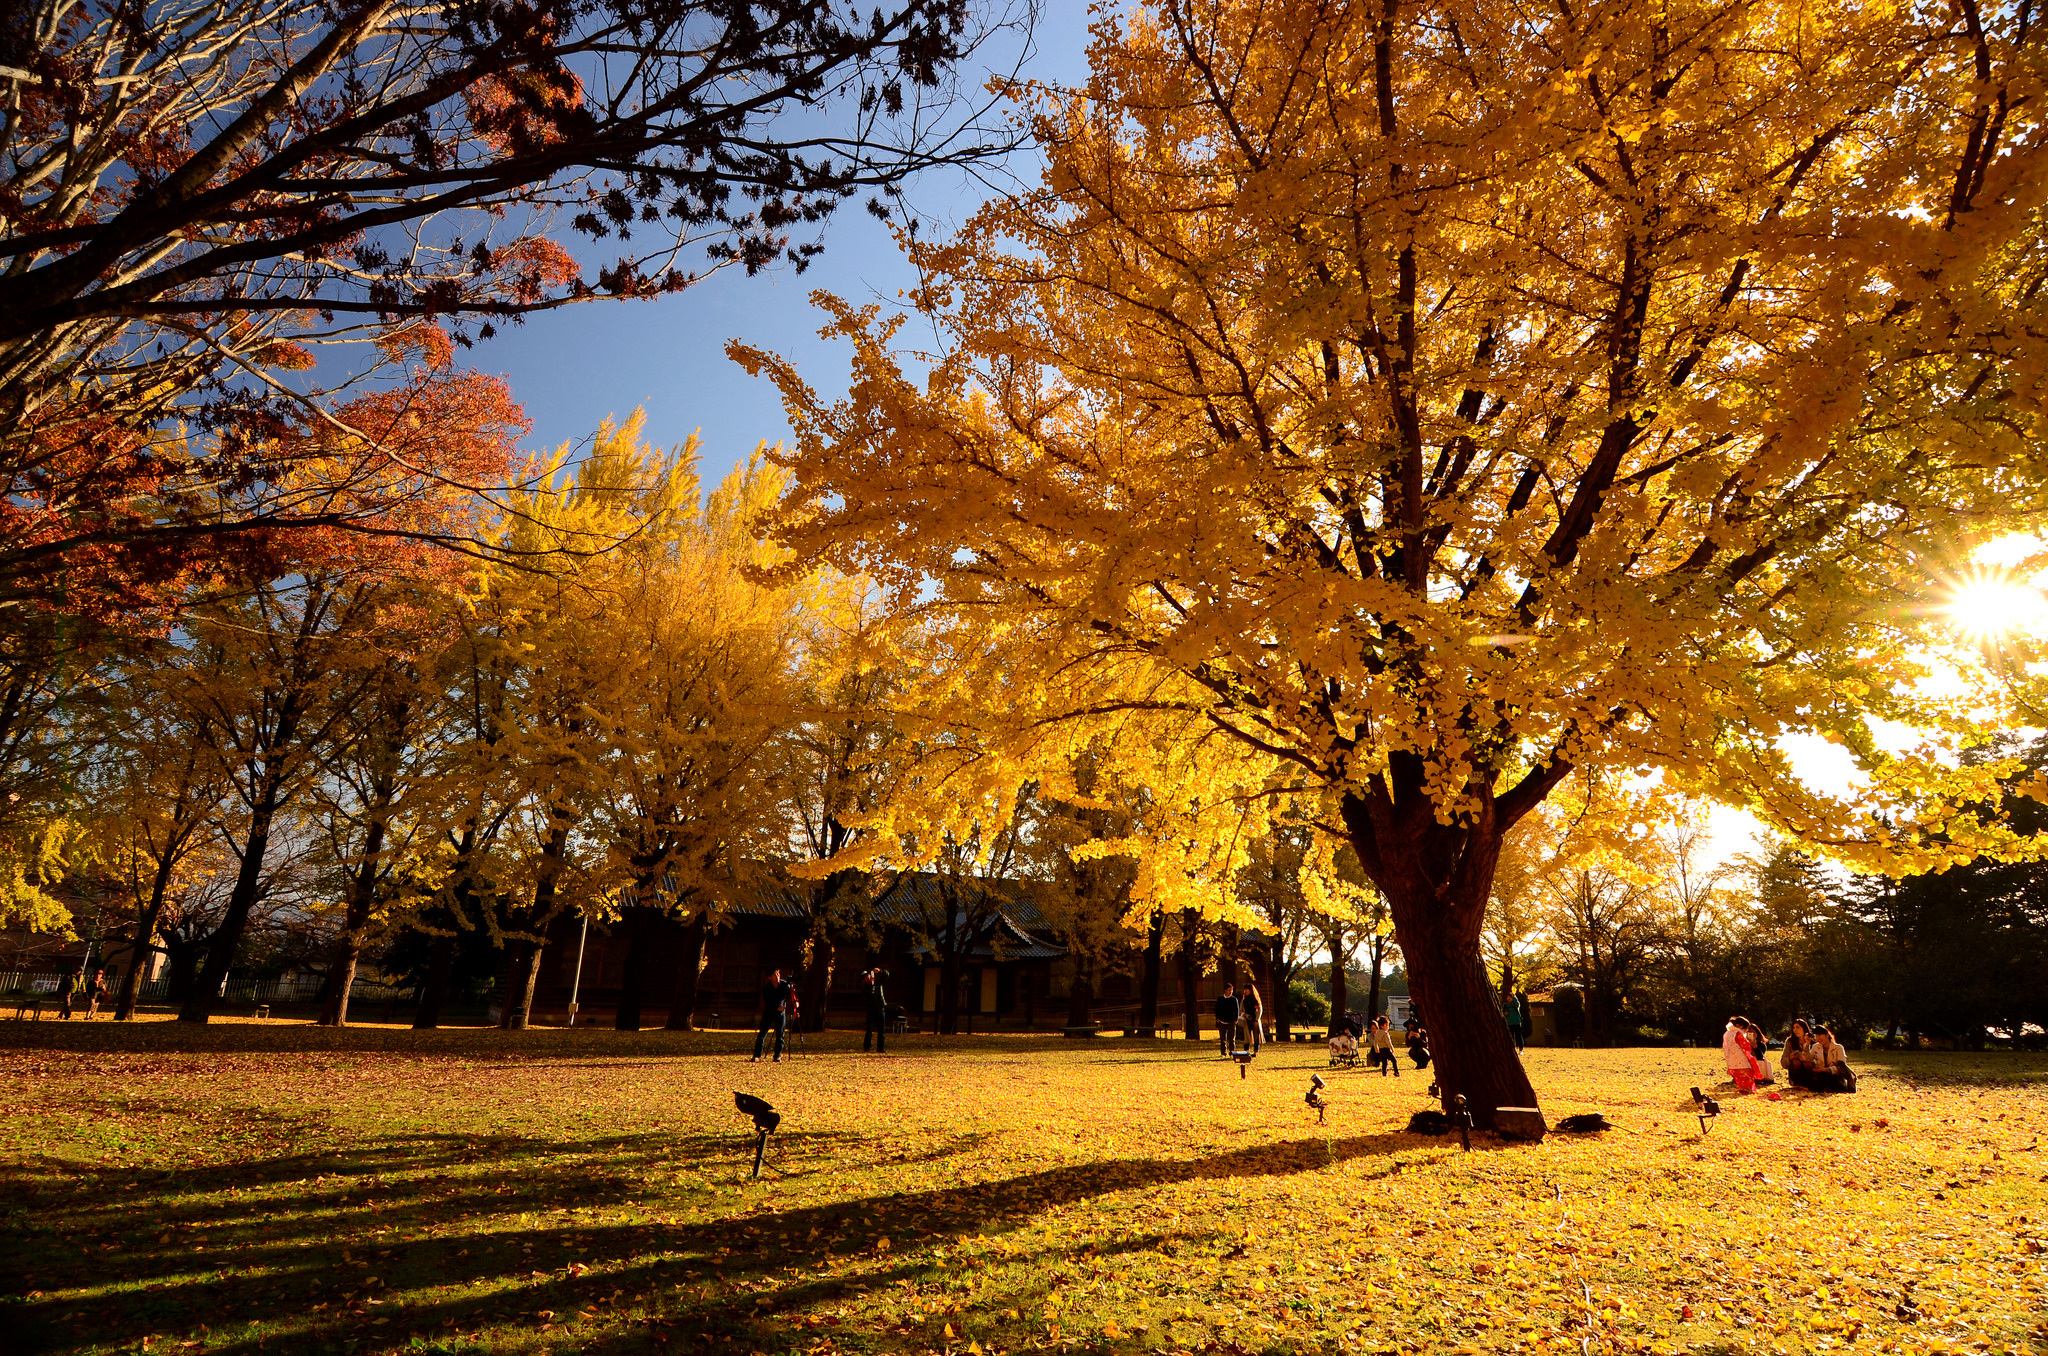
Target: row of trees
{"x": 1656, "y": 940}
{"x": 628, "y": 707}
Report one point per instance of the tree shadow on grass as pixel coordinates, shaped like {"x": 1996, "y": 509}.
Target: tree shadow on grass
{"x": 1958, "y": 1069}
{"x": 300, "y": 1250}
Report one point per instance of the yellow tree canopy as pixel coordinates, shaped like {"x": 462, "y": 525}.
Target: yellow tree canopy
{"x": 1454, "y": 394}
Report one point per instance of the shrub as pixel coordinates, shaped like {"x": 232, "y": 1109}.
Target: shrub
{"x": 1305, "y": 1005}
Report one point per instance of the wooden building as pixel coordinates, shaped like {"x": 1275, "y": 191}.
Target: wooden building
{"x": 1009, "y": 972}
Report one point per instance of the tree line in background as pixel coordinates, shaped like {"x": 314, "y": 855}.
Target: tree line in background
{"x": 626, "y": 710}
{"x": 1654, "y": 941}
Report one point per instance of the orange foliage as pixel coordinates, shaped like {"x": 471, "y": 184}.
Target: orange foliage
{"x": 105, "y": 520}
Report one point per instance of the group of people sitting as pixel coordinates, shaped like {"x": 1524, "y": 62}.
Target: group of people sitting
{"x": 1379, "y": 1038}
{"x": 1813, "y": 1058}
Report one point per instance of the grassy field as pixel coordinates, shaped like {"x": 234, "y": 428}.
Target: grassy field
{"x": 273, "y": 1187}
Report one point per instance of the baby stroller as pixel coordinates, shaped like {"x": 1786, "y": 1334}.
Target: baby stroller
{"x": 1344, "y": 1043}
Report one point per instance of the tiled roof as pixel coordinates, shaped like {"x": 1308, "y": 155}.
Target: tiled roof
{"x": 916, "y": 900}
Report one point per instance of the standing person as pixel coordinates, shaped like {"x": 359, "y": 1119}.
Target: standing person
{"x": 1511, "y": 1013}
{"x": 95, "y": 994}
{"x": 1528, "y": 1022}
{"x": 1228, "y": 1010}
{"x": 877, "y": 1030}
{"x": 1383, "y": 1047}
{"x": 1735, "y": 1054}
{"x": 66, "y": 991}
{"x": 776, "y": 994}
{"x": 1254, "y": 1017}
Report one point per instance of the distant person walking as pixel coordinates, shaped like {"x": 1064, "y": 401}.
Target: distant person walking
{"x": 877, "y": 1029}
{"x": 1228, "y": 1010}
{"x": 777, "y": 997}
{"x": 95, "y": 994}
{"x": 66, "y": 991}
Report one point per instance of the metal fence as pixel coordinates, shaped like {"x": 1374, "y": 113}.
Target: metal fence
{"x": 271, "y": 989}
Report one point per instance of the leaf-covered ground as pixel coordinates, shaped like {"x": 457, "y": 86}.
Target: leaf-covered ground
{"x": 273, "y": 1187}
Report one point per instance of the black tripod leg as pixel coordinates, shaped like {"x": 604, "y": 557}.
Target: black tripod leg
{"x": 760, "y": 1148}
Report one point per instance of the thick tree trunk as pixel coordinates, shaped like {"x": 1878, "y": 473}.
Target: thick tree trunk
{"x": 131, "y": 983}
{"x": 1436, "y": 880}
{"x": 689, "y": 965}
{"x": 199, "y": 1004}
{"x": 1081, "y": 997}
{"x": 184, "y": 969}
{"x": 434, "y": 993}
{"x": 949, "y": 995}
{"x": 522, "y": 973}
{"x": 1148, "y": 982}
{"x": 1190, "y": 976}
{"x": 1283, "y": 998}
{"x": 145, "y": 929}
{"x": 1474, "y": 1055}
{"x": 347, "y": 952}
{"x": 1340, "y": 992}
{"x": 633, "y": 984}
{"x": 818, "y": 975}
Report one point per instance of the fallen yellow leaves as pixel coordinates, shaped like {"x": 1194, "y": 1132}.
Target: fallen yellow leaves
{"x": 1015, "y": 1193}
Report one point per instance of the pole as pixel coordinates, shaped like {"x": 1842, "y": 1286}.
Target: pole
{"x": 576, "y": 983}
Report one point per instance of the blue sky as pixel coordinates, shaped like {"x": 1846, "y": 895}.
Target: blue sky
{"x": 573, "y": 367}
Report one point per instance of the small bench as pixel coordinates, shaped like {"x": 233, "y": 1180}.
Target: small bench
{"x": 263, "y": 1012}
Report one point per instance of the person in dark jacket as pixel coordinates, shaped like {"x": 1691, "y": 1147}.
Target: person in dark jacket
{"x": 877, "y": 1030}
{"x": 777, "y": 997}
{"x": 1227, "y": 1013}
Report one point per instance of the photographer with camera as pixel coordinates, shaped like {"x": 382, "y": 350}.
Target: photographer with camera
{"x": 877, "y": 1030}
{"x": 778, "y": 999}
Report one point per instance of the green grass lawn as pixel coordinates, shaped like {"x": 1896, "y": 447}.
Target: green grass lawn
{"x": 270, "y": 1186}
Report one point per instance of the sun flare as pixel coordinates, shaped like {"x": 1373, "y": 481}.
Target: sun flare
{"x": 1994, "y": 605}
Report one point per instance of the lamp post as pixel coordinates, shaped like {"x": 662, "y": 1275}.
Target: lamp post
{"x": 576, "y": 983}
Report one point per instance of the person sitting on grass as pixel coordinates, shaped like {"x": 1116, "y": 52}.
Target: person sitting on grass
{"x": 1797, "y": 1061}
{"x": 1735, "y": 1054}
{"x": 1830, "y": 1063}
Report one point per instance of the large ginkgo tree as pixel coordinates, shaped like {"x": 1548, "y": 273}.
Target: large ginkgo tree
{"x": 1442, "y": 398}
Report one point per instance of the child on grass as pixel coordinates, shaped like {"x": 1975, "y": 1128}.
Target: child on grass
{"x": 1735, "y": 1053}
